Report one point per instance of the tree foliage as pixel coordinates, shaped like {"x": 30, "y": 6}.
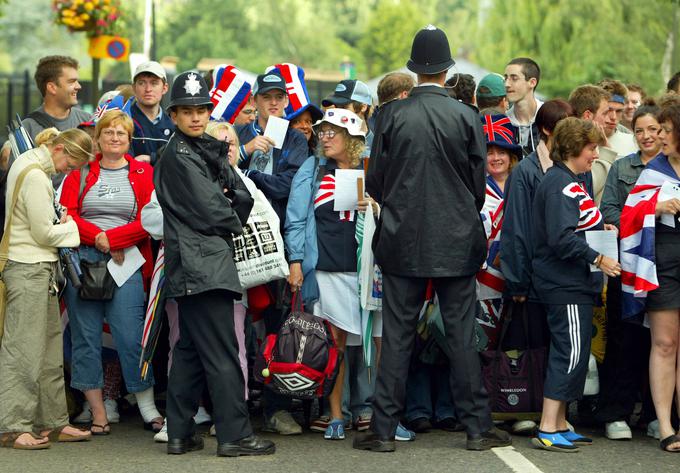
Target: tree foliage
{"x": 574, "y": 41}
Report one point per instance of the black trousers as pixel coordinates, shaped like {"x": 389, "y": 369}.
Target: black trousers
{"x": 207, "y": 350}
{"x": 402, "y": 301}
{"x": 623, "y": 372}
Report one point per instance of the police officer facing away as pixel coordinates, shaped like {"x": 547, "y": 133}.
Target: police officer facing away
{"x": 427, "y": 170}
{"x": 204, "y": 202}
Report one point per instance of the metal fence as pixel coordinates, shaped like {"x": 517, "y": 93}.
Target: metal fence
{"x": 19, "y": 94}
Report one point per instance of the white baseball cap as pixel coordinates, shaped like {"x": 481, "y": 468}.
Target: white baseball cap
{"x": 151, "y": 67}
{"x": 344, "y": 119}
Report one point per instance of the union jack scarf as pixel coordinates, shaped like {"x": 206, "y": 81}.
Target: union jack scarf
{"x": 294, "y": 76}
{"x": 490, "y": 279}
{"x": 229, "y": 94}
{"x": 638, "y": 234}
{"x": 326, "y": 194}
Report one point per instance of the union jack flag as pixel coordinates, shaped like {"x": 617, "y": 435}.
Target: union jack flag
{"x": 115, "y": 103}
{"x": 638, "y": 234}
{"x": 229, "y": 94}
{"x": 490, "y": 279}
{"x": 326, "y": 194}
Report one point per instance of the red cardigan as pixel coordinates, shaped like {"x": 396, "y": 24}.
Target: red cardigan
{"x": 141, "y": 180}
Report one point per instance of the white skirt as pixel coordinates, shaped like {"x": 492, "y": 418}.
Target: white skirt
{"x": 339, "y": 300}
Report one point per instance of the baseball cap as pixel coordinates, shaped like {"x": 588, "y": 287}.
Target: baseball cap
{"x": 151, "y": 67}
{"x": 344, "y": 119}
{"x": 269, "y": 81}
{"x": 349, "y": 91}
{"x": 492, "y": 85}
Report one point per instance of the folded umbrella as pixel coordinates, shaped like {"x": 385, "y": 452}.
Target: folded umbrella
{"x": 153, "y": 321}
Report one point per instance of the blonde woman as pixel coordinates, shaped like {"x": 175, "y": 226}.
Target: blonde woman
{"x": 32, "y": 397}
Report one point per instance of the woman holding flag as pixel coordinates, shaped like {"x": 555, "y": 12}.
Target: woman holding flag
{"x": 502, "y": 154}
{"x": 650, "y": 249}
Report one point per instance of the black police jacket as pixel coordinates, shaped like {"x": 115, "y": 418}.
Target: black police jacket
{"x": 199, "y": 218}
{"x": 427, "y": 170}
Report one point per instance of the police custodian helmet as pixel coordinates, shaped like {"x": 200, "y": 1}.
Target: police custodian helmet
{"x": 430, "y": 52}
{"x": 189, "y": 89}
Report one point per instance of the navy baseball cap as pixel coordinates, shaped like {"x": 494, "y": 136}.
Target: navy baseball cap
{"x": 269, "y": 81}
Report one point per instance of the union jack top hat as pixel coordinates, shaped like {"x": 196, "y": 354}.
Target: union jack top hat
{"x": 498, "y": 131}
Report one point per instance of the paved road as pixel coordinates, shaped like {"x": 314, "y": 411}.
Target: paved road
{"x": 129, "y": 449}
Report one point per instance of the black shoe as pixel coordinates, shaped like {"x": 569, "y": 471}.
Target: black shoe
{"x": 491, "y": 438}
{"x": 180, "y": 446}
{"x": 368, "y": 440}
{"x": 419, "y": 425}
{"x": 251, "y": 445}
{"x": 450, "y": 424}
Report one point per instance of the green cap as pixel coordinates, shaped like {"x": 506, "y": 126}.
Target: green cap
{"x": 492, "y": 85}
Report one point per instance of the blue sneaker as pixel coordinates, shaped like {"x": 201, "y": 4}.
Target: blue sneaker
{"x": 576, "y": 439}
{"x": 553, "y": 441}
{"x": 403, "y": 434}
{"x": 335, "y": 430}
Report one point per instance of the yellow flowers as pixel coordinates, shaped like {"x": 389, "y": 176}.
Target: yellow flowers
{"x": 95, "y": 17}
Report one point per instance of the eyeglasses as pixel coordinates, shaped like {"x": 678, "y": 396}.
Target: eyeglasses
{"x": 111, "y": 133}
{"x": 326, "y": 134}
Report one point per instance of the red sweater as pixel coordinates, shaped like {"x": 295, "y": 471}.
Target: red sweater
{"x": 141, "y": 180}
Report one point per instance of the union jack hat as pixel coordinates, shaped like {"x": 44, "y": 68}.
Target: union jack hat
{"x": 498, "y": 131}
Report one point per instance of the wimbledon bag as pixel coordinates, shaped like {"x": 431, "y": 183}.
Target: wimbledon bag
{"x": 258, "y": 252}
{"x": 514, "y": 379}
{"x": 302, "y": 360}
{"x": 4, "y": 244}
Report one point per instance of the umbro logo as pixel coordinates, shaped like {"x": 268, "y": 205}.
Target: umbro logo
{"x": 294, "y": 381}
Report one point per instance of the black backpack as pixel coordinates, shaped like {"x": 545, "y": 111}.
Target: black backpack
{"x": 302, "y": 359}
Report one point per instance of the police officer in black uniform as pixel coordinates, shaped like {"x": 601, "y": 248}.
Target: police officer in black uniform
{"x": 204, "y": 202}
{"x": 427, "y": 170}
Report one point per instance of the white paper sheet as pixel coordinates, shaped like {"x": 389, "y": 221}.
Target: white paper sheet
{"x": 346, "y": 197}
{"x": 122, "y": 272}
{"x": 604, "y": 242}
{"x": 276, "y": 130}
{"x": 668, "y": 191}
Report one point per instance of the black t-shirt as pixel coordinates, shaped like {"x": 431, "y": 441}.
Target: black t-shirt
{"x": 335, "y": 231}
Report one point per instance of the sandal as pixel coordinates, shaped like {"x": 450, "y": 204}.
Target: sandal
{"x": 57, "y": 435}
{"x": 104, "y": 428}
{"x": 155, "y": 424}
{"x": 9, "y": 440}
{"x": 668, "y": 441}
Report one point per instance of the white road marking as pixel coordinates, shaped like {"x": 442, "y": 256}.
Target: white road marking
{"x": 515, "y": 460}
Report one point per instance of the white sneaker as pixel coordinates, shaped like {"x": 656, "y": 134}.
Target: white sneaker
{"x": 653, "y": 429}
{"x": 618, "y": 430}
{"x": 212, "y": 431}
{"x": 84, "y": 417}
{"x": 524, "y": 427}
{"x": 162, "y": 436}
{"x": 282, "y": 423}
{"x": 112, "y": 414}
{"x": 202, "y": 416}
{"x": 592, "y": 386}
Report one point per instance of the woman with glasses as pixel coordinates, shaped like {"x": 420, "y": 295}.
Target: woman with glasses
{"x": 320, "y": 241}
{"x": 105, "y": 200}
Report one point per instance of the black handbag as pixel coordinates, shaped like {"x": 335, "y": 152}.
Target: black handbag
{"x": 98, "y": 284}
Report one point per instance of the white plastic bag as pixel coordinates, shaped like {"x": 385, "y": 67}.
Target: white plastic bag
{"x": 258, "y": 252}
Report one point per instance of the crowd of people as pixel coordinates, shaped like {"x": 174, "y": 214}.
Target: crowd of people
{"x": 487, "y": 201}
